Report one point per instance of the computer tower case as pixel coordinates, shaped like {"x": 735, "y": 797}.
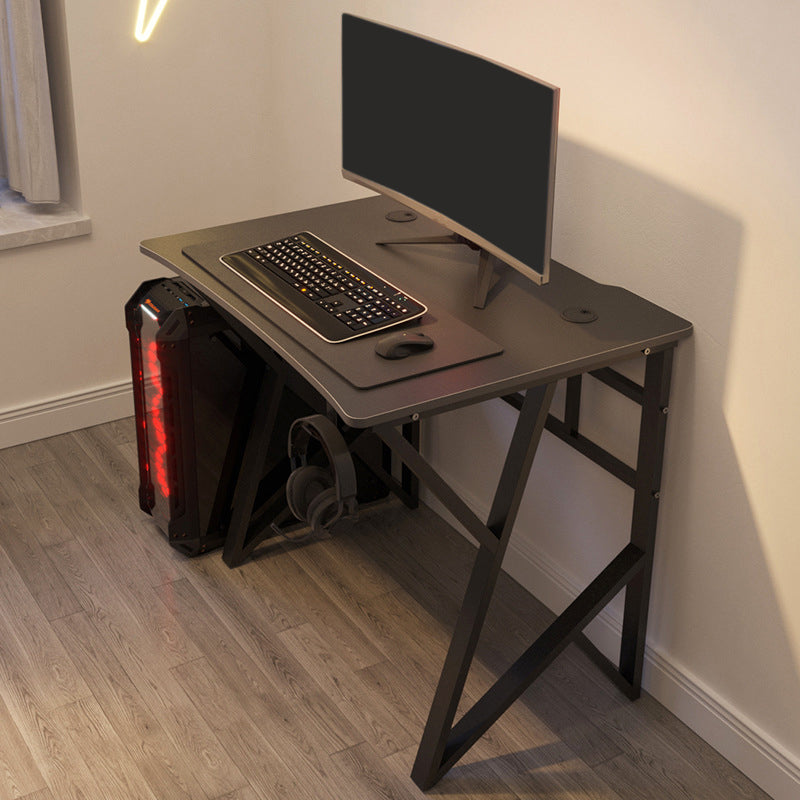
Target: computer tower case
{"x": 194, "y": 395}
{"x": 188, "y": 376}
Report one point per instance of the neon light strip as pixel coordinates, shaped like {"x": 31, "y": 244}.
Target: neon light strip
{"x": 154, "y": 409}
{"x": 143, "y": 30}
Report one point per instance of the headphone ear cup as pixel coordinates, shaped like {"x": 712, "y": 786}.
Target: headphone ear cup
{"x": 303, "y": 486}
{"x": 323, "y": 511}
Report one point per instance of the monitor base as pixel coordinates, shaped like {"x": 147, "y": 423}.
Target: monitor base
{"x": 486, "y": 261}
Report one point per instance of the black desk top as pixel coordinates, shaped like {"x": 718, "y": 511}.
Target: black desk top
{"x": 538, "y": 344}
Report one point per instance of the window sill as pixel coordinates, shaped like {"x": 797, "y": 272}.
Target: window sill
{"x": 23, "y": 223}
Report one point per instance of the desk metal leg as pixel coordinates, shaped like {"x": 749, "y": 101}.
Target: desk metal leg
{"x": 439, "y": 748}
{"x": 443, "y": 743}
{"x": 409, "y": 480}
{"x": 647, "y": 490}
{"x": 270, "y": 383}
{"x": 645, "y": 480}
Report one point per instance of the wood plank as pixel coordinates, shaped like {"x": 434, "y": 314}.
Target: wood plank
{"x": 20, "y": 491}
{"x": 244, "y": 588}
{"x": 573, "y": 727}
{"x": 285, "y": 578}
{"x": 245, "y": 793}
{"x": 339, "y": 561}
{"x": 193, "y": 766}
{"x": 99, "y": 444}
{"x": 147, "y": 656}
{"x": 471, "y": 780}
{"x": 368, "y": 710}
{"x": 143, "y": 630}
{"x": 514, "y": 620}
{"x": 521, "y": 727}
{"x": 18, "y": 458}
{"x": 130, "y": 452}
{"x": 54, "y": 480}
{"x": 284, "y": 699}
{"x": 121, "y": 431}
{"x": 417, "y": 642}
{"x": 34, "y": 667}
{"x": 139, "y": 550}
{"x": 720, "y": 778}
{"x": 513, "y": 746}
{"x": 275, "y": 767}
{"x": 31, "y": 562}
{"x": 253, "y": 632}
{"x": 42, "y": 794}
{"x": 548, "y": 769}
{"x": 409, "y": 699}
{"x": 628, "y": 775}
{"x": 424, "y": 555}
{"x": 115, "y": 505}
{"x": 102, "y": 750}
{"x": 59, "y": 761}
{"x": 367, "y": 775}
{"x": 42, "y": 520}
{"x": 19, "y": 774}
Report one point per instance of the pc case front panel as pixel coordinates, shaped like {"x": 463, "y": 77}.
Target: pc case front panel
{"x": 187, "y": 389}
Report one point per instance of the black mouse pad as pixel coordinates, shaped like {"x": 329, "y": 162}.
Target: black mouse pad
{"x": 356, "y": 361}
{"x": 453, "y": 343}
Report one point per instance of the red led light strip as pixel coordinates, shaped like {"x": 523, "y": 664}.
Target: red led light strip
{"x": 154, "y": 413}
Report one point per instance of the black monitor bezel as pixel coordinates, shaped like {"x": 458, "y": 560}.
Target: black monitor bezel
{"x": 532, "y": 272}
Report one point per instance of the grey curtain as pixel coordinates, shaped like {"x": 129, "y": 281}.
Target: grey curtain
{"x": 27, "y": 143}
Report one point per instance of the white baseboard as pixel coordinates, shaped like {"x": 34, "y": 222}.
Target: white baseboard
{"x": 64, "y": 414}
{"x": 751, "y": 750}
{"x": 766, "y": 762}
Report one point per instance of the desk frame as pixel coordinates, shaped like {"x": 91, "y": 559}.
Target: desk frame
{"x": 443, "y": 743}
{"x": 539, "y": 350}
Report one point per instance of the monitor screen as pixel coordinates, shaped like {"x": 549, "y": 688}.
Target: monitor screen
{"x": 459, "y": 138}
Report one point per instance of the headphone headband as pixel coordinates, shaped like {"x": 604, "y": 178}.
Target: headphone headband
{"x": 319, "y": 427}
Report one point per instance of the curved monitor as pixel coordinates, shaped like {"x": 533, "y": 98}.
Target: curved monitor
{"x": 459, "y": 138}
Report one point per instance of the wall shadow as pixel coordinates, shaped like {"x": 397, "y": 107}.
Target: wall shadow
{"x": 712, "y": 577}
{"x": 715, "y": 611}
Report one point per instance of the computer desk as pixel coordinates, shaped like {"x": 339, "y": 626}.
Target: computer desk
{"x": 540, "y": 348}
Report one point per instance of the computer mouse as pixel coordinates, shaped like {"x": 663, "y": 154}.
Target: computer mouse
{"x": 402, "y": 344}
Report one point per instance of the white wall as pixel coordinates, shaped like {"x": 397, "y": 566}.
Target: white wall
{"x": 678, "y": 178}
{"x": 221, "y": 116}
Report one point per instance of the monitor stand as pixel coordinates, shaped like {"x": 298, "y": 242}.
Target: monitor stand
{"x": 486, "y": 261}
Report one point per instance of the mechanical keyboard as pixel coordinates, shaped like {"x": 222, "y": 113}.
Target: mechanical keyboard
{"x": 336, "y": 297}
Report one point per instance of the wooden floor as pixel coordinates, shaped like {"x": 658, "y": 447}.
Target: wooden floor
{"x": 129, "y": 671}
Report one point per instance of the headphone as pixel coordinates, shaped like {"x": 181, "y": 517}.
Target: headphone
{"x": 317, "y": 495}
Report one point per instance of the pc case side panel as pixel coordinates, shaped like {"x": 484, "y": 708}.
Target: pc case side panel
{"x": 172, "y": 427}
{"x": 218, "y": 370}
{"x": 203, "y": 381}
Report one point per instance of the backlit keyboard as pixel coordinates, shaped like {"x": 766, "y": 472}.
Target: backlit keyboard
{"x": 334, "y": 296}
